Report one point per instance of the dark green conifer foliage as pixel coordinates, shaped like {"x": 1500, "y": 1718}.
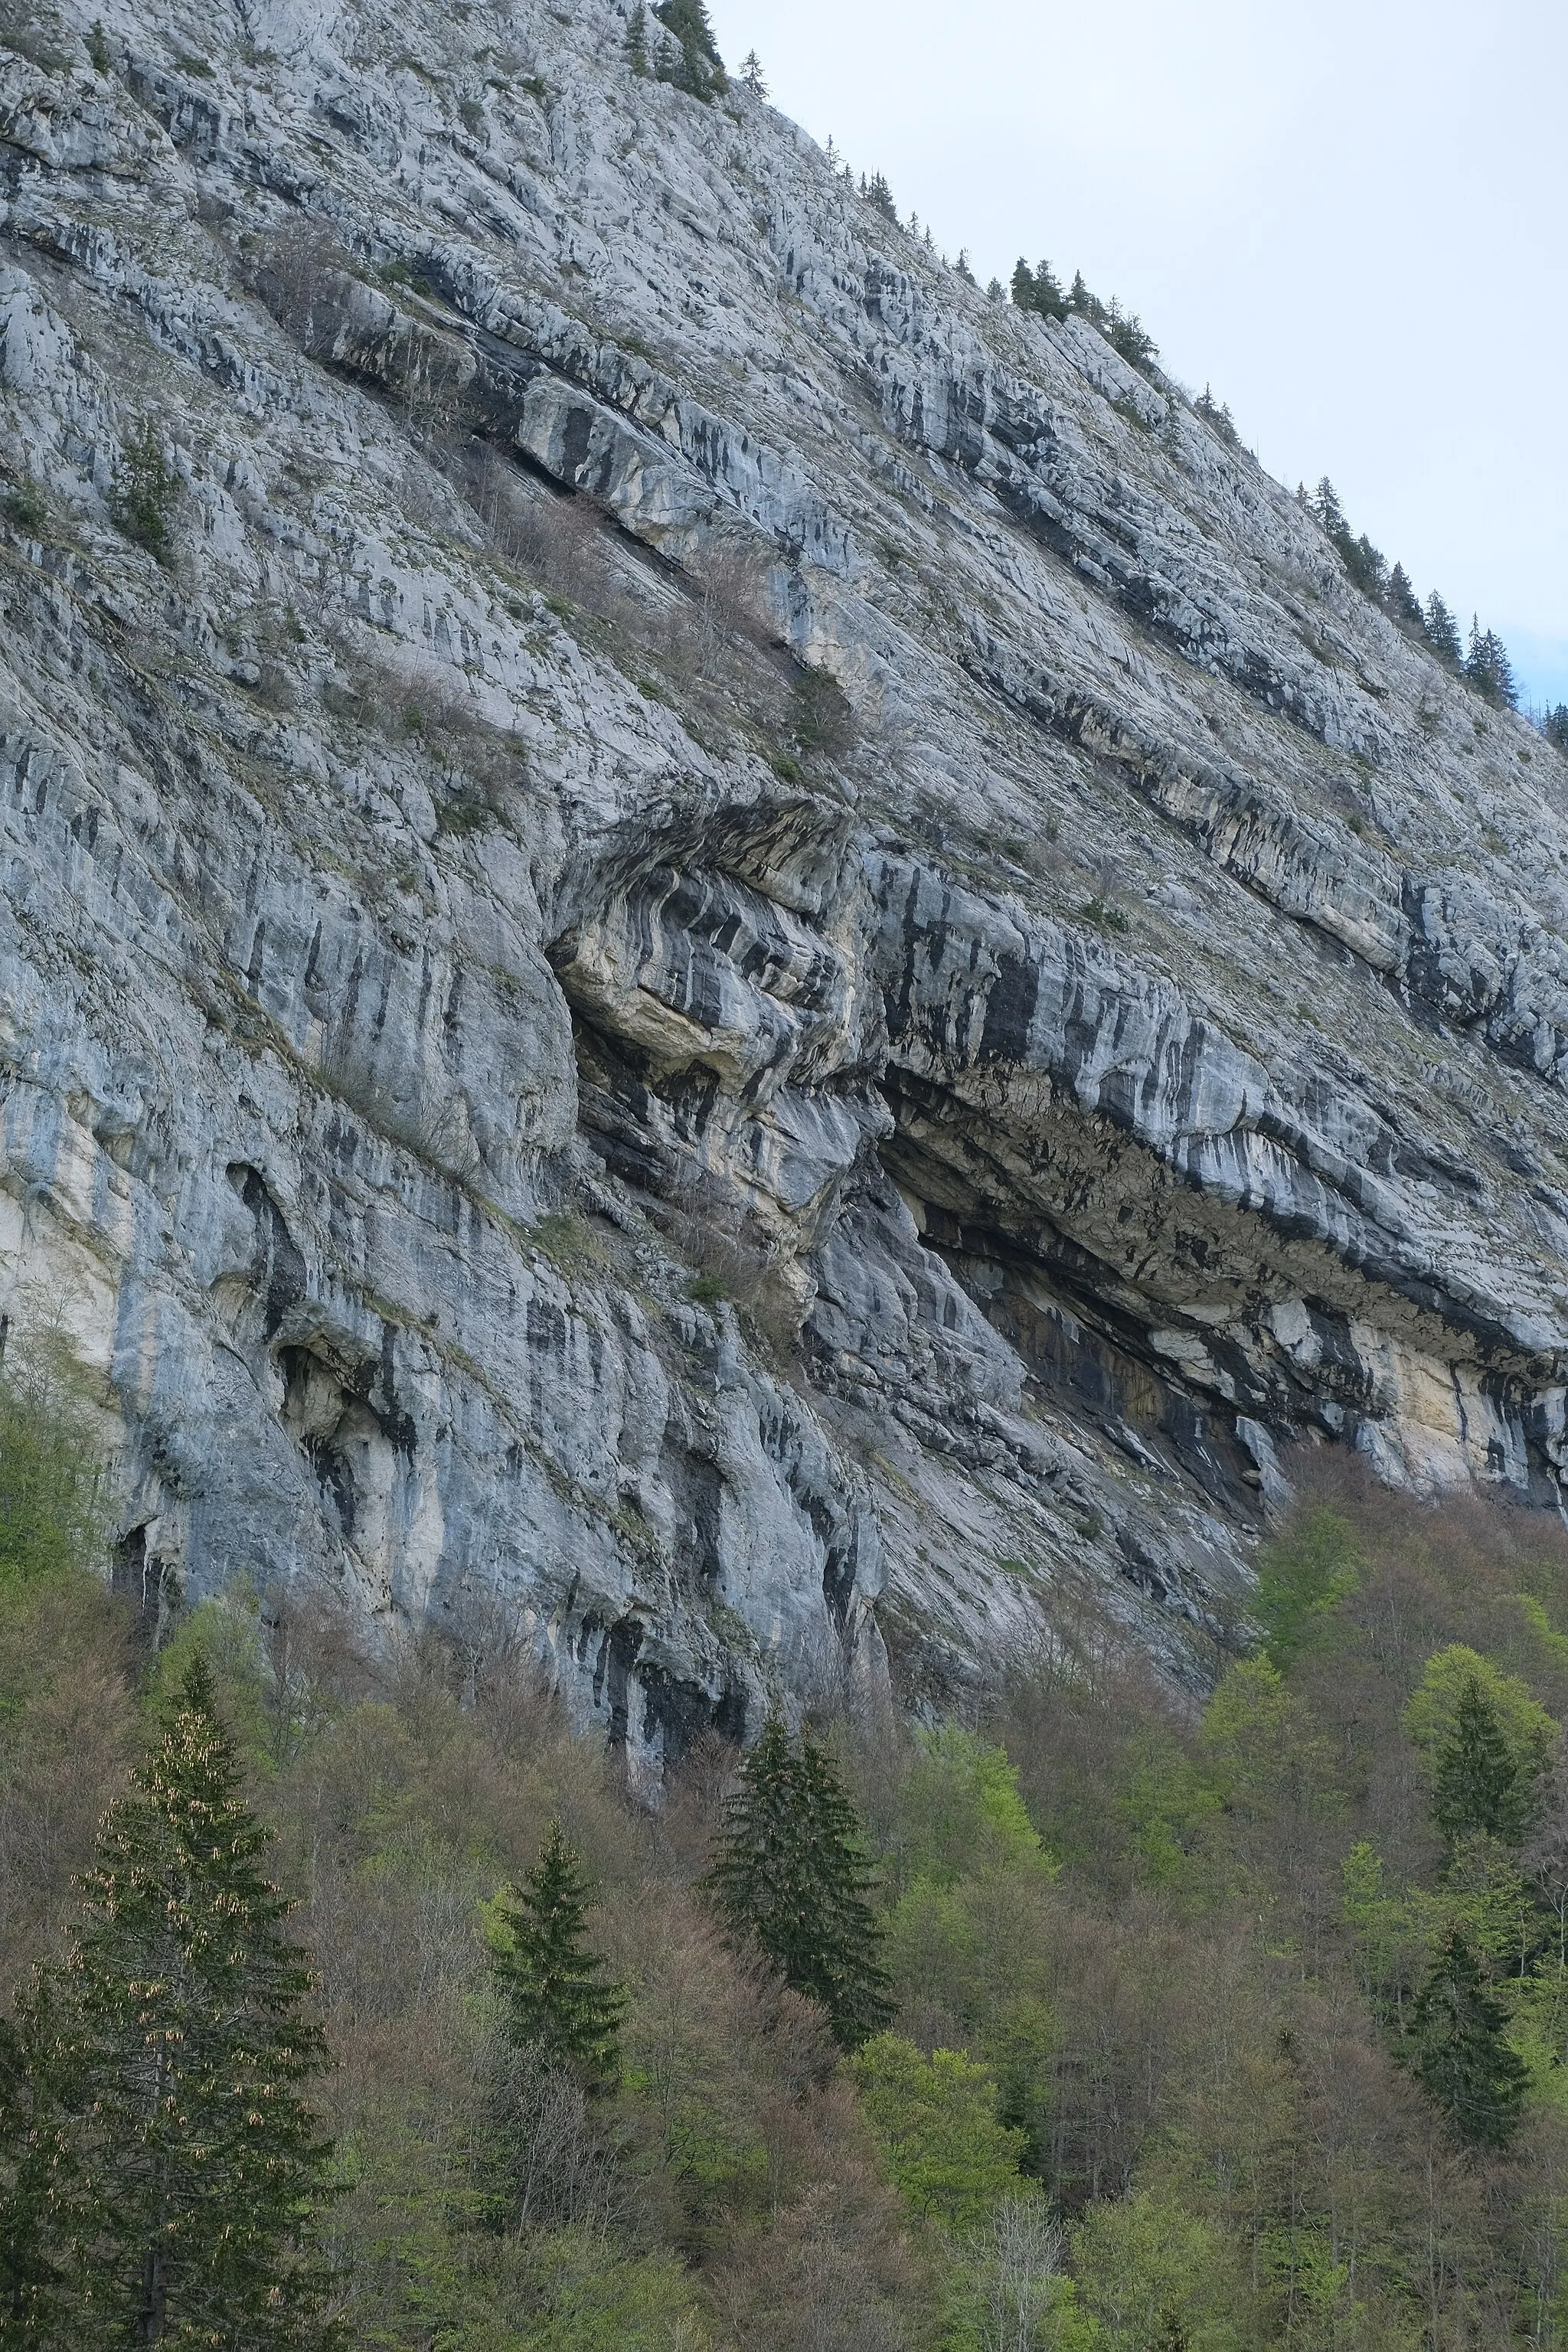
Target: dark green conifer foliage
{"x": 1555, "y": 727}
{"x": 1480, "y": 1784}
{"x": 1087, "y": 305}
{"x": 1488, "y": 667}
{"x": 636, "y": 42}
{"x": 1442, "y": 631}
{"x": 753, "y": 79}
{"x": 557, "y": 1992}
{"x": 1461, "y": 2056}
{"x": 699, "y": 70}
{"x": 1217, "y": 416}
{"x": 791, "y": 1875}
{"x": 1325, "y": 504}
{"x": 168, "y": 2172}
{"x": 877, "y": 192}
{"x": 1402, "y": 603}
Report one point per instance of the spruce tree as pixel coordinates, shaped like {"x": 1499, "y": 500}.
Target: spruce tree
{"x": 1461, "y": 2056}
{"x": 1023, "y": 286}
{"x": 1555, "y": 727}
{"x": 752, "y": 76}
{"x": 557, "y": 1992}
{"x": 699, "y": 68}
{"x": 636, "y": 43}
{"x": 1404, "y": 604}
{"x": 170, "y": 2172}
{"x": 1442, "y": 631}
{"x": 1480, "y": 1784}
{"x": 1325, "y": 504}
{"x": 791, "y": 1876}
{"x": 1087, "y": 305}
{"x": 877, "y": 193}
{"x": 1488, "y": 667}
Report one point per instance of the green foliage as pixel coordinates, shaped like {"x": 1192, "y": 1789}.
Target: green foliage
{"x": 1488, "y": 667}
{"x": 959, "y": 1812}
{"x": 1218, "y": 418}
{"x": 696, "y": 66}
{"x": 636, "y": 42}
{"x": 1442, "y": 632}
{"x": 1555, "y": 727}
{"x": 53, "y": 1492}
{"x": 172, "y": 2173}
{"x": 1460, "y": 2054}
{"x": 1481, "y": 1781}
{"x": 98, "y": 47}
{"x": 557, "y": 1991}
{"x": 1462, "y": 1702}
{"x": 1037, "y": 289}
{"x": 791, "y": 1876}
{"x": 947, "y": 2153}
{"x": 879, "y": 197}
{"x": 143, "y": 500}
{"x": 1154, "y": 2274}
{"x": 588, "y": 2295}
{"x": 25, "y": 508}
{"x": 1402, "y": 603}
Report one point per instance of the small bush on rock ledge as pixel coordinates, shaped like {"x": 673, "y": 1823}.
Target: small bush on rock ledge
{"x": 144, "y": 494}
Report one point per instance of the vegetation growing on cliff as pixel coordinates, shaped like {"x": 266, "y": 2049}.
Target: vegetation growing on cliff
{"x": 1240, "y": 2027}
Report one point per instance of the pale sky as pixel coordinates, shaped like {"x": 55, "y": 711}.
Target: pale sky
{"x": 1348, "y": 216}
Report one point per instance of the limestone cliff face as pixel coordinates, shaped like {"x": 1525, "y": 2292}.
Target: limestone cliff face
{"x": 711, "y": 953}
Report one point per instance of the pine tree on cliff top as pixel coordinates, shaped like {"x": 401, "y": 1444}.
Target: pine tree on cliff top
{"x": 170, "y": 2172}
{"x": 791, "y": 1876}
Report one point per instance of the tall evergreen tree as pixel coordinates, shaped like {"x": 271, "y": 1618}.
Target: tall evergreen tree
{"x": 636, "y": 42}
{"x": 791, "y": 1876}
{"x": 1402, "y": 603}
{"x": 1086, "y": 305}
{"x": 698, "y": 68}
{"x": 752, "y": 76}
{"x": 557, "y": 1992}
{"x": 1488, "y": 667}
{"x": 1480, "y": 1785}
{"x": 1325, "y": 504}
{"x": 169, "y": 2174}
{"x": 1460, "y": 2055}
{"x": 1442, "y": 631}
{"x": 877, "y": 193}
{"x": 1555, "y": 727}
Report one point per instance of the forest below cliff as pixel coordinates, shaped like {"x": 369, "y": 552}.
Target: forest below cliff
{"x": 1223, "y": 2024}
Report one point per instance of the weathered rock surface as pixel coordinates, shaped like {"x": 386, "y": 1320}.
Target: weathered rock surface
{"x": 709, "y": 951}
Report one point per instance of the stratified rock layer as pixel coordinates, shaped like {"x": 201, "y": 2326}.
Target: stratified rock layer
{"x": 712, "y": 955}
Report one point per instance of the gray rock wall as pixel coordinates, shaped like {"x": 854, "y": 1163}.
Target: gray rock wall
{"x": 711, "y": 955}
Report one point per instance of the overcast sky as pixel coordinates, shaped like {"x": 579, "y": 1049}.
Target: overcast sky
{"x": 1348, "y": 216}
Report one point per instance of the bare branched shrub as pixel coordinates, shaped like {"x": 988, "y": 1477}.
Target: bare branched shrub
{"x": 289, "y": 271}
{"x": 729, "y": 578}
{"x": 551, "y": 2165}
{"x": 822, "y": 719}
